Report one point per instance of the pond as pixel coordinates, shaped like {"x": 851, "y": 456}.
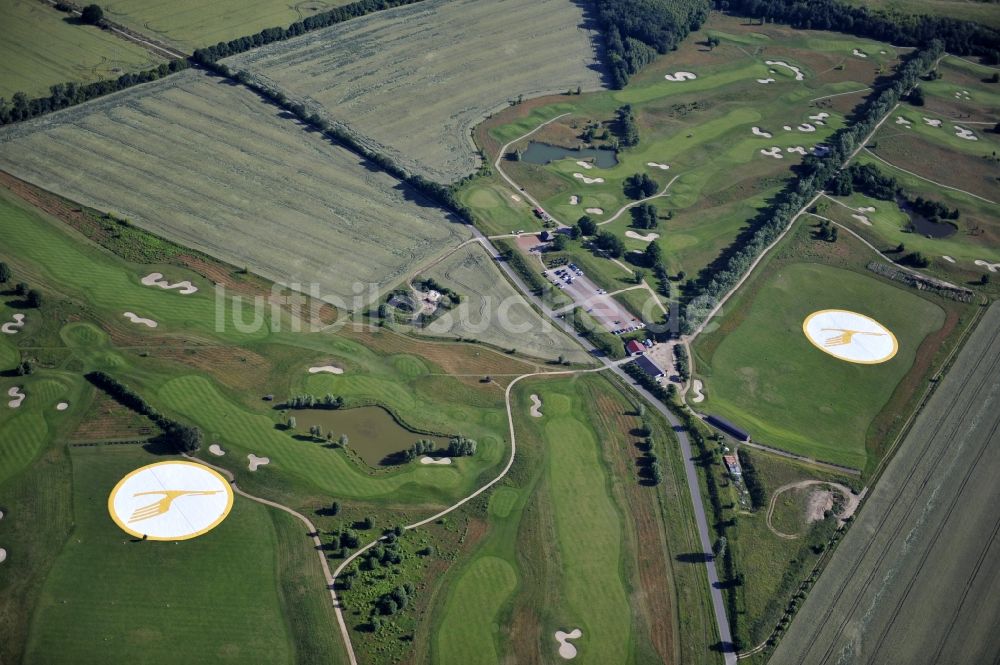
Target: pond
{"x": 371, "y": 431}
{"x": 922, "y": 225}
{"x": 544, "y": 153}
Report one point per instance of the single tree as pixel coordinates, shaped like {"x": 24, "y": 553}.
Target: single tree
{"x": 92, "y": 15}
{"x": 4, "y": 273}
{"x": 34, "y": 298}
{"x": 291, "y": 423}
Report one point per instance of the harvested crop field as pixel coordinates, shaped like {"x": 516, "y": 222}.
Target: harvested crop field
{"x": 916, "y": 577}
{"x": 413, "y": 81}
{"x": 492, "y": 311}
{"x": 190, "y": 158}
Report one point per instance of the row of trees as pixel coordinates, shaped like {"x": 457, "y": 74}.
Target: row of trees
{"x": 640, "y": 186}
{"x": 628, "y": 128}
{"x": 813, "y": 175}
{"x": 32, "y": 297}
{"x": 186, "y": 438}
{"x": 636, "y": 31}
{"x": 754, "y": 483}
{"x": 958, "y": 37}
{"x": 63, "y": 95}
{"x": 328, "y": 401}
{"x": 871, "y": 181}
{"x": 645, "y": 216}
{"x": 419, "y": 449}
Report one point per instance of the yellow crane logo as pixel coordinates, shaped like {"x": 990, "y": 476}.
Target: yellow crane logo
{"x": 846, "y": 336}
{"x": 163, "y": 505}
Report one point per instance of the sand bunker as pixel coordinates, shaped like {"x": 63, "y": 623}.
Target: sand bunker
{"x": 327, "y": 369}
{"x": 757, "y": 131}
{"x": 12, "y": 327}
{"x": 649, "y": 237}
{"x": 680, "y": 76}
{"x": 435, "y": 460}
{"x": 62, "y": 406}
{"x": 257, "y": 461}
{"x": 585, "y": 165}
{"x": 216, "y": 450}
{"x": 867, "y": 209}
{"x": 799, "y": 76}
{"x": 18, "y": 396}
{"x": 806, "y": 127}
{"x": 933, "y": 122}
{"x": 773, "y": 152}
{"x": 860, "y": 54}
{"x": 948, "y": 259}
{"x": 992, "y": 267}
{"x": 863, "y": 219}
{"x": 574, "y": 200}
{"x": 156, "y": 279}
{"x": 787, "y": 128}
{"x": 586, "y": 180}
{"x": 536, "y": 404}
{"x": 697, "y": 395}
{"x": 3, "y": 557}
{"x": 515, "y": 197}
{"x": 134, "y": 318}
{"x": 967, "y": 134}
{"x": 657, "y": 165}
{"x": 820, "y": 118}
{"x": 900, "y": 120}
{"x": 567, "y": 650}
{"x": 594, "y": 211}
{"x": 963, "y": 96}
{"x": 767, "y": 80}
{"x": 799, "y": 149}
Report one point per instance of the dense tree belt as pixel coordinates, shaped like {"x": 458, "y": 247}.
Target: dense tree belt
{"x": 959, "y": 37}
{"x": 813, "y": 175}
{"x": 64, "y": 95}
{"x": 636, "y": 31}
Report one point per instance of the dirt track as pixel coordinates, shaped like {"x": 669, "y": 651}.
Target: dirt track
{"x": 852, "y": 502}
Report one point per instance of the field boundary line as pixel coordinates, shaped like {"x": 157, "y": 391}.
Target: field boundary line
{"x": 933, "y": 182}
{"x": 134, "y": 37}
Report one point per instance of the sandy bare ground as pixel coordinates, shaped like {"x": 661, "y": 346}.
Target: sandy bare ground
{"x": 567, "y": 650}
{"x": 697, "y": 395}
{"x": 18, "y": 396}
{"x": 435, "y": 460}
{"x": 135, "y": 318}
{"x": 326, "y": 369}
{"x": 216, "y": 450}
{"x": 536, "y": 404}
{"x": 156, "y": 279}
{"x": 851, "y": 505}
{"x": 12, "y": 327}
{"x": 257, "y": 461}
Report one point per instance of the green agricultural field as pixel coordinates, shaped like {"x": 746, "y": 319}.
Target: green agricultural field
{"x": 191, "y": 24}
{"x": 914, "y": 578}
{"x": 762, "y": 373}
{"x": 475, "y": 56}
{"x": 188, "y": 157}
{"x": 42, "y": 47}
{"x": 492, "y": 311}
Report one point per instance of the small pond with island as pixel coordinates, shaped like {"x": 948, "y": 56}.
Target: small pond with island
{"x": 545, "y": 153}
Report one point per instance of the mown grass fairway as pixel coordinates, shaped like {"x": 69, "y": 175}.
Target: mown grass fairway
{"x": 475, "y": 57}
{"x": 188, "y": 156}
{"x": 42, "y": 47}
{"x": 493, "y": 311}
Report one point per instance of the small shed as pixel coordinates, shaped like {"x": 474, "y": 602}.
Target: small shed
{"x": 727, "y": 427}
{"x": 634, "y": 347}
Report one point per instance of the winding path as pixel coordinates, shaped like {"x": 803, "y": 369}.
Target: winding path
{"x": 852, "y": 503}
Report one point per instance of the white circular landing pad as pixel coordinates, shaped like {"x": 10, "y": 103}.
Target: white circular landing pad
{"x": 850, "y": 336}
{"x": 170, "y": 501}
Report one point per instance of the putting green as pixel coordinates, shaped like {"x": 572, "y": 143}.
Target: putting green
{"x": 767, "y": 377}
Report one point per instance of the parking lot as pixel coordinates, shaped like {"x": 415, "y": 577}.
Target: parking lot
{"x": 603, "y": 308}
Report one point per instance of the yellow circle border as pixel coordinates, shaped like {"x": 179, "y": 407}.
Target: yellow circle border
{"x": 139, "y": 534}
{"x": 892, "y": 336}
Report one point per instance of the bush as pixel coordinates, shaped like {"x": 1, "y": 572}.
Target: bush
{"x": 34, "y": 298}
{"x": 5, "y": 273}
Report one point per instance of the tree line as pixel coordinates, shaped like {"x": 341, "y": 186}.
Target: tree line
{"x": 636, "y": 31}
{"x": 814, "y": 174}
{"x": 186, "y": 438}
{"x": 958, "y": 37}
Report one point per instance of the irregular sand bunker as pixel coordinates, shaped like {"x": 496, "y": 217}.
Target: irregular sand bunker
{"x": 767, "y": 80}
{"x": 967, "y": 134}
{"x": 515, "y": 197}
{"x": 658, "y": 165}
{"x": 649, "y": 237}
{"x": 900, "y": 120}
{"x": 18, "y": 396}
{"x": 820, "y": 118}
{"x": 585, "y": 165}
{"x": 135, "y": 318}
{"x": 567, "y": 650}
{"x": 787, "y": 128}
{"x": 697, "y": 395}
{"x": 435, "y": 460}
{"x": 62, "y": 406}
{"x": 156, "y": 279}
{"x": 680, "y": 76}
{"x": 326, "y": 369}
{"x": 12, "y": 327}
{"x": 216, "y": 450}
{"x": 799, "y": 149}
{"x": 806, "y": 127}
{"x": 863, "y": 219}
{"x": 257, "y": 461}
{"x": 536, "y": 404}
{"x": 594, "y": 211}
{"x": 860, "y": 54}
{"x": 3, "y": 555}
{"x": 867, "y": 209}
{"x": 574, "y": 200}
{"x": 586, "y": 180}
{"x": 933, "y": 122}
{"x": 773, "y": 152}
{"x": 799, "y": 76}
{"x": 948, "y": 259}
{"x": 757, "y": 131}
{"x": 992, "y": 267}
